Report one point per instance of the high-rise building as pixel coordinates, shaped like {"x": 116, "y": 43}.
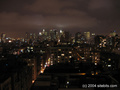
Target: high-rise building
{"x": 46, "y": 33}
{"x": 53, "y": 34}
{"x": 67, "y": 36}
{"x": 43, "y": 31}
{"x": 3, "y": 37}
{"x": 110, "y": 41}
{"x": 92, "y": 35}
{"x": 34, "y": 36}
{"x": 77, "y": 37}
{"x": 60, "y": 54}
{"x": 27, "y": 37}
{"x": 40, "y": 33}
{"x": 112, "y": 34}
{"x": 98, "y": 40}
{"x": 87, "y": 35}
{"x": 31, "y": 36}
{"x": 61, "y": 32}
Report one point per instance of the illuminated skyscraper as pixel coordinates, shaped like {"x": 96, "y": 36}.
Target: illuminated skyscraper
{"x": 87, "y": 35}
{"x": 31, "y": 36}
{"x": 112, "y": 34}
{"x": 61, "y": 32}
{"x": 53, "y": 34}
{"x": 27, "y": 37}
{"x": 46, "y": 33}
{"x": 43, "y": 31}
{"x": 40, "y": 33}
{"x": 34, "y": 36}
{"x": 3, "y": 37}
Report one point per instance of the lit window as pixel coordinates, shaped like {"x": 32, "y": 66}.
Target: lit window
{"x": 95, "y": 58}
{"x": 109, "y": 65}
{"x": 28, "y": 50}
{"x": 67, "y": 82}
{"x": 41, "y": 51}
{"x": 42, "y": 71}
{"x": 33, "y": 81}
{"x": 95, "y": 63}
{"x": 118, "y": 48}
{"x": 70, "y": 52}
{"x": 52, "y": 54}
{"x": 83, "y": 57}
{"x": 96, "y": 73}
{"x": 45, "y": 66}
{"x": 58, "y": 56}
{"x": 62, "y": 54}
{"x": 59, "y": 49}
{"x": 9, "y": 41}
{"x": 51, "y": 64}
{"x": 70, "y": 56}
{"x": 47, "y": 44}
{"x": 109, "y": 59}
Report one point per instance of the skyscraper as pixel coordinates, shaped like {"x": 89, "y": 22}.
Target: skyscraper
{"x": 53, "y": 34}
{"x": 77, "y": 37}
{"x": 87, "y": 35}
{"x": 67, "y": 36}
{"x": 112, "y": 34}
{"x": 3, "y": 37}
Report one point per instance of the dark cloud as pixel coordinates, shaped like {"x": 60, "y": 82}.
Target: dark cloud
{"x": 100, "y": 4}
{"x": 97, "y": 16}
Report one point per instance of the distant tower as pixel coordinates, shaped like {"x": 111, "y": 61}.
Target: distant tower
{"x": 31, "y": 36}
{"x": 43, "y": 31}
{"x": 62, "y": 39}
{"x": 3, "y": 37}
{"x": 54, "y": 31}
{"x": 98, "y": 39}
{"x": 61, "y": 32}
{"x": 77, "y": 37}
{"x": 67, "y": 36}
{"x": 53, "y": 34}
{"x": 27, "y": 36}
{"x": 113, "y": 34}
{"x": 34, "y": 36}
{"x": 87, "y": 35}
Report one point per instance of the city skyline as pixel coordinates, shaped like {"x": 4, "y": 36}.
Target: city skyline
{"x": 97, "y": 16}
{"x": 53, "y": 59}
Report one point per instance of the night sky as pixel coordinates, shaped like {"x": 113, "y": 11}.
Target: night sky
{"x": 20, "y": 16}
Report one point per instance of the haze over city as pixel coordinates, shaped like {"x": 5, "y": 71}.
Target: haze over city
{"x": 20, "y": 16}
